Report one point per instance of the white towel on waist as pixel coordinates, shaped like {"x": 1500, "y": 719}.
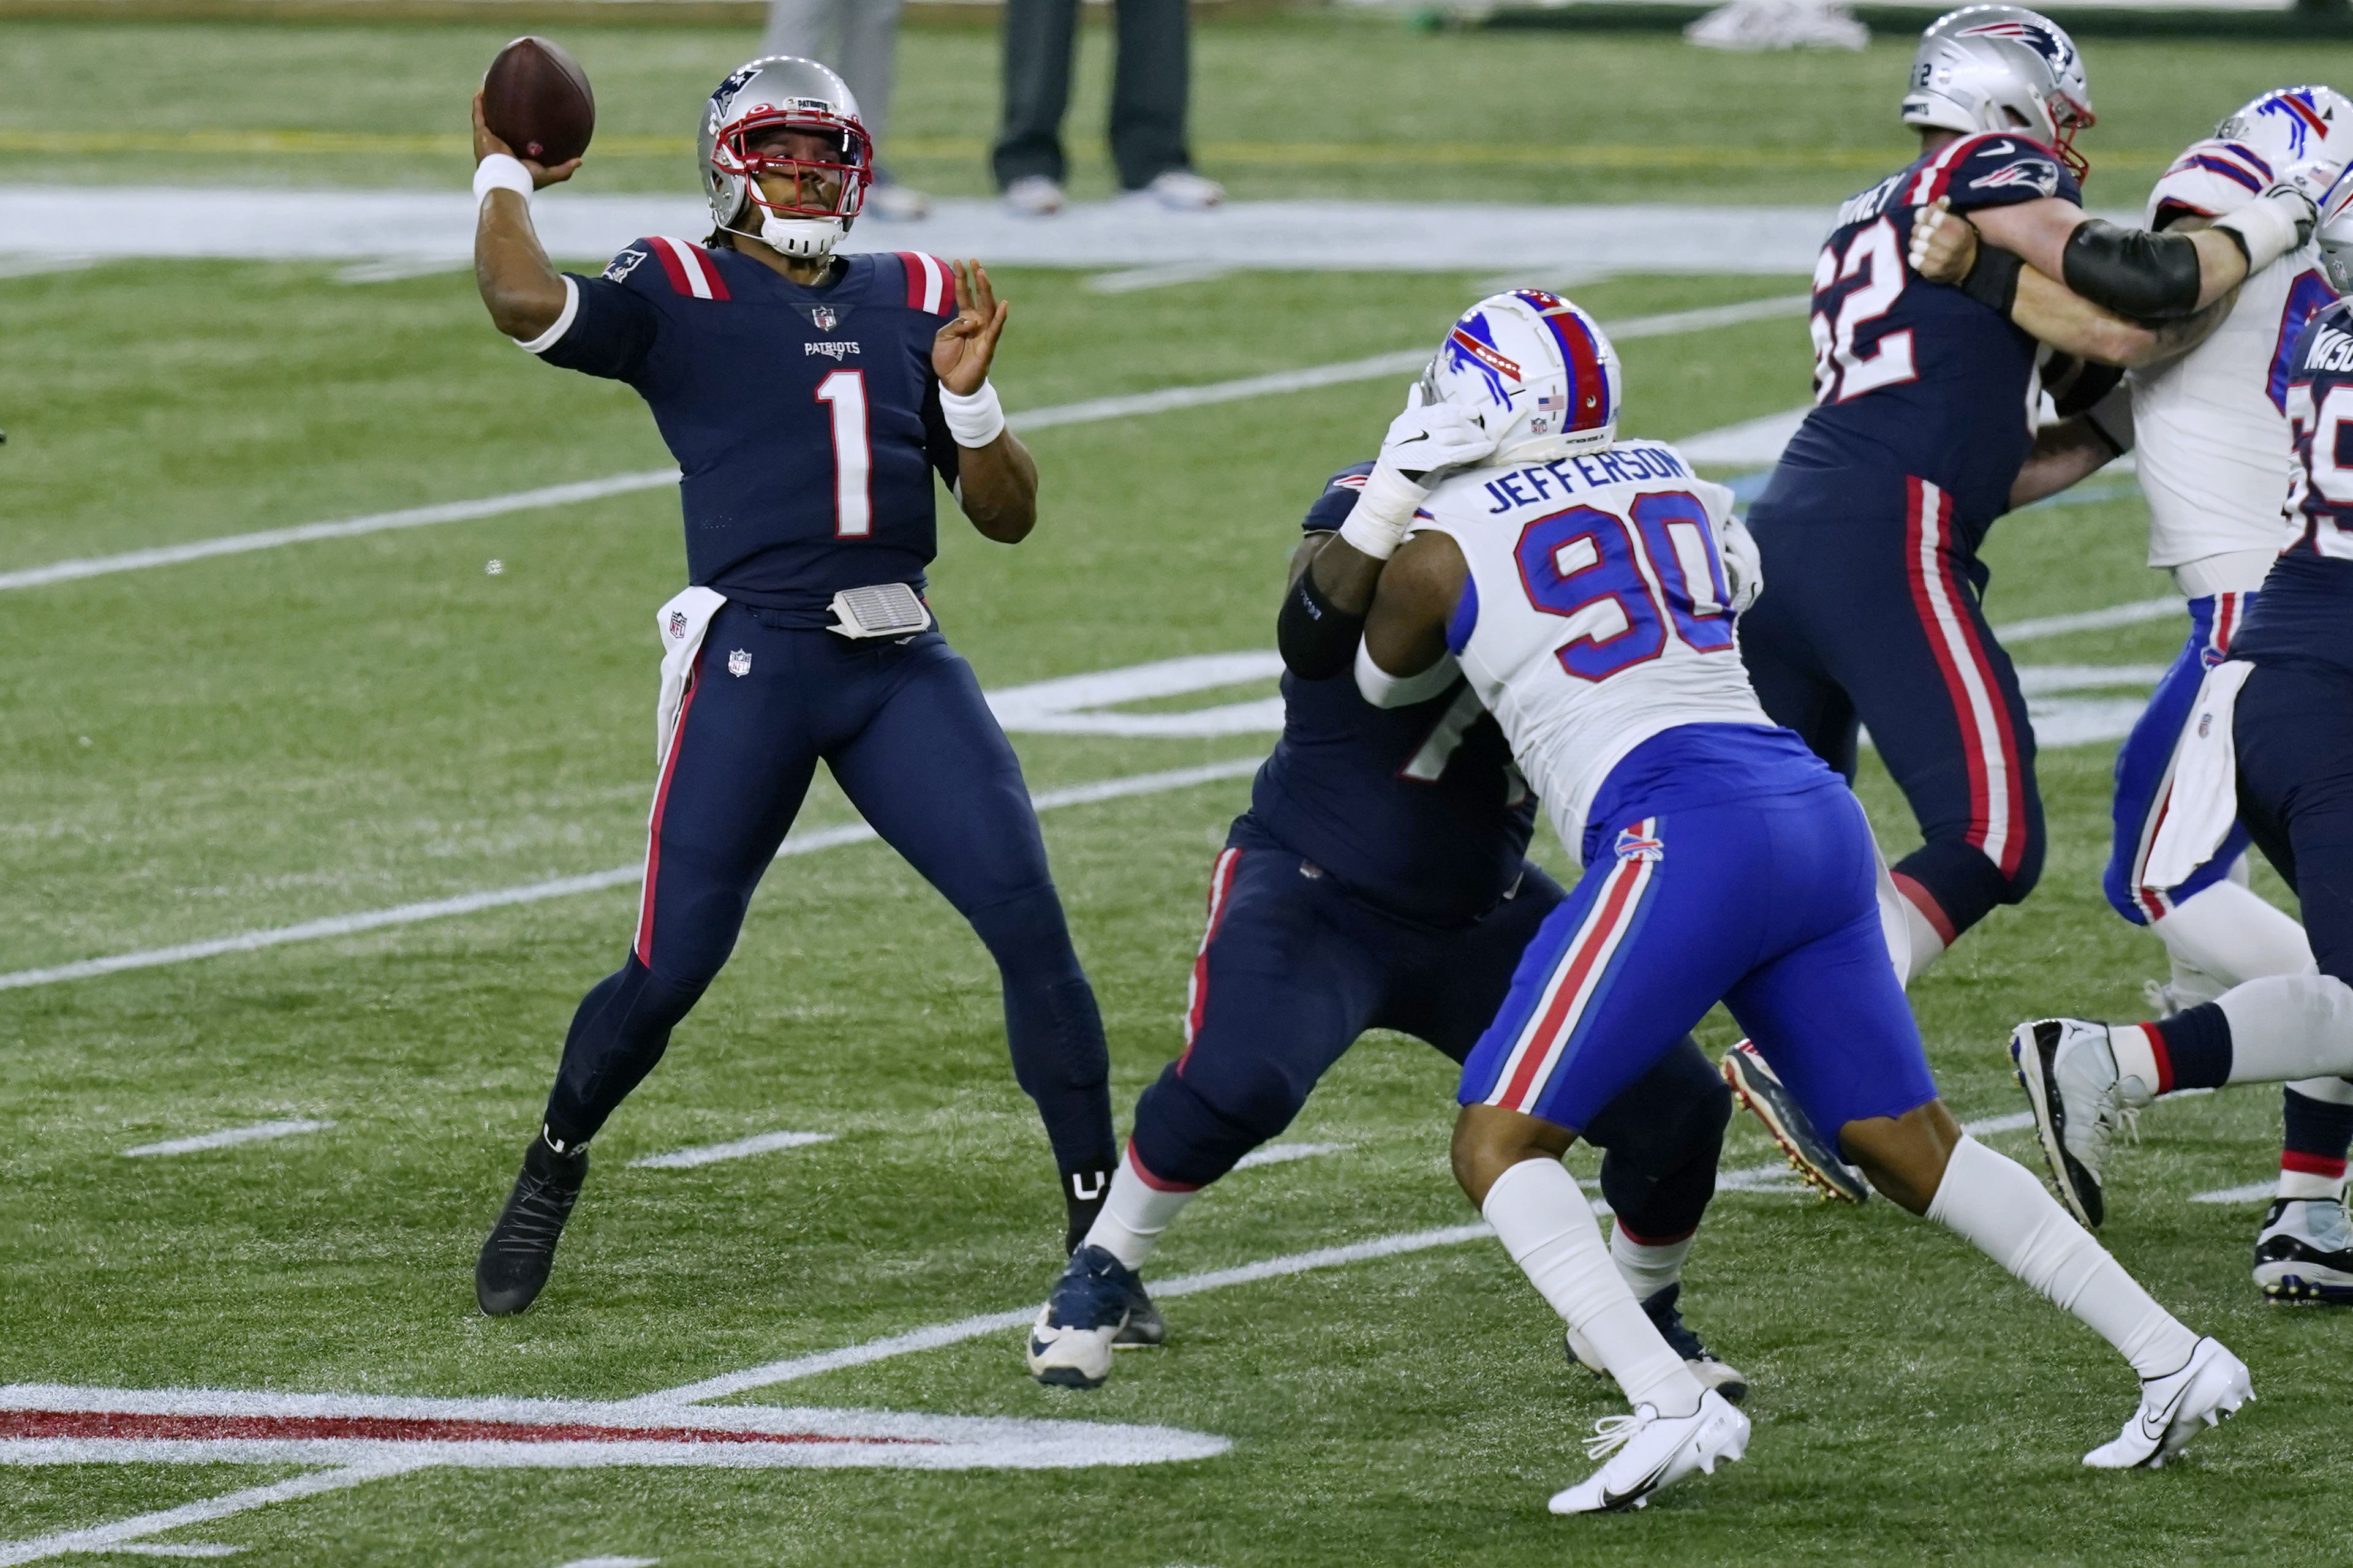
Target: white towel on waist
{"x": 2202, "y": 800}
{"x": 681, "y": 624}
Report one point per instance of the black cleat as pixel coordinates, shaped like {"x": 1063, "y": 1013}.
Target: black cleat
{"x": 1812, "y": 1156}
{"x": 1144, "y": 1327}
{"x": 512, "y": 1268}
{"x": 1705, "y": 1365}
{"x": 2304, "y": 1252}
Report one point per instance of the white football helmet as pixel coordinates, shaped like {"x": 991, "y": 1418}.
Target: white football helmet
{"x": 782, "y": 91}
{"x": 1538, "y": 372}
{"x": 2253, "y": 148}
{"x": 2001, "y": 67}
{"x": 2335, "y": 233}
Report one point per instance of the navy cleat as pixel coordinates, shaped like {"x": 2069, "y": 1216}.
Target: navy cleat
{"x": 515, "y": 1259}
{"x": 1713, "y": 1374}
{"x": 1811, "y": 1155}
{"x": 1144, "y": 1327}
{"x": 1071, "y": 1343}
{"x": 2304, "y": 1252}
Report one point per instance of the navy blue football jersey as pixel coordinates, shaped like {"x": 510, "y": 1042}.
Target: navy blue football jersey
{"x": 1419, "y": 810}
{"x": 2305, "y": 614}
{"x": 1914, "y": 379}
{"x": 805, "y": 421}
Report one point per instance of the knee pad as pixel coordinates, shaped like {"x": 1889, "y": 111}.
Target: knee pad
{"x": 1193, "y": 1132}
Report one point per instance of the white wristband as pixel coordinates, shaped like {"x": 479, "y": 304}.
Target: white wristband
{"x": 500, "y": 171}
{"x": 2266, "y": 229}
{"x": 1376, "y": 525}
{"x": 975, "y": 420}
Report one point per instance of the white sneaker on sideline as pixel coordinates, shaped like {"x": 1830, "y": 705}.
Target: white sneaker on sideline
{"x": 1034, "y": 195}
{"x": 1183, "y": 191}
{"x": 1650, "y": 1452}
{"x": 896, "y": 202}
{"x": 2211, "y": 1384}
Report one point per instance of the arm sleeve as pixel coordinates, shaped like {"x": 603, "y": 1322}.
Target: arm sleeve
{"x": 2141, "y": 275}
{"x": 1315, "y": 638}
{"x": 607, "y": 328}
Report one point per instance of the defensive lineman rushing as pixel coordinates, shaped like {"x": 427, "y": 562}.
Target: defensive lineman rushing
{"x": 1578, "y": 583}
{"x": 1925, "y": 399}
{"x": 1379, "y": 880}
{"x": 2268, "y": 750}
{"x": 809, "y": 399}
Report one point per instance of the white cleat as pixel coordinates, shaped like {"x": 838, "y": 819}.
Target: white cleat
{"x": 2211, "y": 1384}
{"x": 1650, "y": 1452}
{"x": 2068, "y": 1069}
{"x": 1183, "y": 191}
{"x": 1034, "y": 195}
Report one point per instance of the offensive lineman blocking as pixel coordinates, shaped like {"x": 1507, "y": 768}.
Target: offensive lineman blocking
{"x": 1579, "y": 582}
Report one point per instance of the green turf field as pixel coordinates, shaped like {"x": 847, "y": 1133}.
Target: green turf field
{"x": 251, "y": 741}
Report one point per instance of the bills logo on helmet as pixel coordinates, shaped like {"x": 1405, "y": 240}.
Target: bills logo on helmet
{"x": 2295, "y": 108}
{"x": 1471, "y": 346}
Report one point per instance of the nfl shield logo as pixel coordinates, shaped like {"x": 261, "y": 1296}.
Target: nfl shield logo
{"x": 823, "y": 316}
{"x": 678, "y": 623}
{"x": 739, "y": 663}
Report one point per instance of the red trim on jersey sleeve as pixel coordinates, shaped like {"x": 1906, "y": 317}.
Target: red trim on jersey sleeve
{"x": 689, "y": 268}
{"x": 931, "y": 287}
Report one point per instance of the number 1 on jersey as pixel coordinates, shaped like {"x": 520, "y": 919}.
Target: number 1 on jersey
{"x": 853, "y": 454}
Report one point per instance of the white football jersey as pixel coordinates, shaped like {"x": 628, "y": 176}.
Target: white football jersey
{"x": 1603, "y": 615}
{"x": 2211, "y": 428}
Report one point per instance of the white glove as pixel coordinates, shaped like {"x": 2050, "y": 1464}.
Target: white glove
{"x": 2282, "y": 219}
{"x": 1744, "y": 564}
{"x": 1428, "y": 437}
{"x": 1423, "y": 440}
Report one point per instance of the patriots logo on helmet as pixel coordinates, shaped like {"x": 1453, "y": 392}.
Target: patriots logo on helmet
{"x": 2042, "y": 40}
{"x": 1633, "y": 844}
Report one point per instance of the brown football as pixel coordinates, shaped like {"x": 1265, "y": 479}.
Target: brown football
{"x": 535, "y": 99}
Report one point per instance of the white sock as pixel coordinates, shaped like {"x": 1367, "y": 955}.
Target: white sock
{"x": 1547, "y": 1226}
{"x": 1995, "y": 1204}
{"x": 2303, "y": 1184}
{"x": 1647, "y": 1268}
{"x": 1927, "y": 944}
{"x": 1135, "y": 1213}
{"x": 2288, "y": 1026}
{"x": 2135, "y": 1059}
{"x": 2231, "y": 934}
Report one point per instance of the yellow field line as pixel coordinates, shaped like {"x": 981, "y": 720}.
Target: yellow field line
{"x": 1567, "y": 159}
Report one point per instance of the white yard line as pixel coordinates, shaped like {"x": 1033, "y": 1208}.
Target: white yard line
{"x": 742, "y": 1148}
{"x": 1284, "y": 1154}
{"x": 2253, "y": 1191}
{"x": 108, "y": 1537}
{"x": 613, "y": 1562}
{"x": 795, "y": 1368}
{"x": 189, "y": 1549}
{"x": 229, "y": 1137}
{"x": 566, "y": 887}
{"x": 1087, "y": 411}
{"x": 2130, "y": 615}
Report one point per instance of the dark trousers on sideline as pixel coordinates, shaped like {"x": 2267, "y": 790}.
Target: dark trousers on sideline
{"x": 1150, "y": 80}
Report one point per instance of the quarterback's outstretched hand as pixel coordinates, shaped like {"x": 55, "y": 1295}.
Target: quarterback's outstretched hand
{"x": 961, "y": 352}
{"x": 485, "y": 143}
{"x": 1943, "y": 245}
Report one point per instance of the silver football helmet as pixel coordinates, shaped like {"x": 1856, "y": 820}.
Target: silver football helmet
{"x": 781, "y": 92}
{"x": 2335, "y": 233}
{"x": 2001, "y": 67}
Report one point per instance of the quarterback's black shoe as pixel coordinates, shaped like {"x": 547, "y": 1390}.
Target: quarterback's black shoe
{"x": 2304, "y": 1252}
{"x": 1705, "y": 1365}
{"x": 513, "y": 1266}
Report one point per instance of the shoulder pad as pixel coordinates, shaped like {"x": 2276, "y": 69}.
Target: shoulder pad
{"x": 2211, "y": 178}
{"x": 931, "y": 286}
{"x": 1994, "y": 168}
{"x": 1332, "y": 507}
{"x": 659, "y": 265}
